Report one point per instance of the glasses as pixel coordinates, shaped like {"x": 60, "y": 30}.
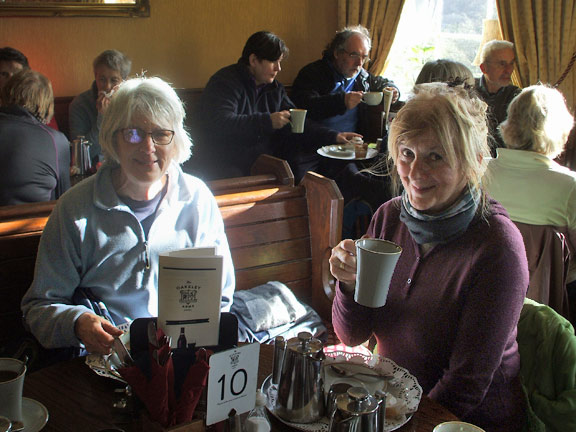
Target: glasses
{"x": 357, "y": 56}
{"x": 137, "y": 136}
{"x": 503, "y": 64}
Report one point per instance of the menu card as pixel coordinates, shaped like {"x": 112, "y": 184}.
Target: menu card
{"x": 189, "y": 291}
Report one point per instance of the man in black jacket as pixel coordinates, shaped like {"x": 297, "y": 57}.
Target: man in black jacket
{"x": 331, "y": 88}
{"x": 244, "y": 112}
{"x": 495, "y": 85}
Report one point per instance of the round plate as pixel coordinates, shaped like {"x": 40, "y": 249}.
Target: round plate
{"x": 333, "y": 152}
{"x": 34, "y": 415}
{"x": 403, "y": 386}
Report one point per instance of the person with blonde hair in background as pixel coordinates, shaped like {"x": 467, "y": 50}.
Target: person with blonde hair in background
{"x": 35, "y": 161}
{"x": 524, "y": 177}
{"x": 458, "y": 287}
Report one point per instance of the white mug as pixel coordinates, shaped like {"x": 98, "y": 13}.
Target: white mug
{"x": 297, "y": 119}
{"x": 376, "y": 260}
{"x": 457, "y": 426}
{"x": 372, "y": 98}
{"x": 12, "y": 373}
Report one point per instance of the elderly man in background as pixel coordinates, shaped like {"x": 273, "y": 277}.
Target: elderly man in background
{"x": 331, "y": 88}
{"x": 111, "y": 67}
{"x": 494, "y": 86}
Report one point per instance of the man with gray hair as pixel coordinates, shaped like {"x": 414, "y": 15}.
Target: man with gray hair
{"x": 111, "y": 67}
{"x": 331, "y": 88}
{"x": 494, "y": 86}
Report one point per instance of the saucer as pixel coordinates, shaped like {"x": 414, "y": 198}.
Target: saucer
{"x": 34, "y": 415}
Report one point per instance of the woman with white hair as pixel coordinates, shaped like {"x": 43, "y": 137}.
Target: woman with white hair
{"x": 457, "y": 290}
{"x": 106, "y": 234}
{"x": 524, "y": 177}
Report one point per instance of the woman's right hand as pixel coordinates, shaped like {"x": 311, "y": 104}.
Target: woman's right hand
{"x": 96, "y": 333}
{"x": 343, "y": 264}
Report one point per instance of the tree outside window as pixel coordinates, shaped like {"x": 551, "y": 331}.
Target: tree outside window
{"x": 434, "y": 29}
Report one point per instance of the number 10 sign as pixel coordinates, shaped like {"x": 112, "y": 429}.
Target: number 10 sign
{"x": 232, "y": 382}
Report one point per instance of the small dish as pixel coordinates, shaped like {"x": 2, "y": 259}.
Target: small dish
{"x": 346, "y": 154}
{"x": 34, "y": 415}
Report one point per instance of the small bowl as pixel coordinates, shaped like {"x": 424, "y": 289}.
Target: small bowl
{"x": 457, "y": 426}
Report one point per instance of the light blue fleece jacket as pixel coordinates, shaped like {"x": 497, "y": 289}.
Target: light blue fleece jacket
{"x": 93, "y": 240}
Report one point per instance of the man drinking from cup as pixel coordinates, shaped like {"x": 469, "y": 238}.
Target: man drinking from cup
{"x": 337, "y": 91}
{"x": 332, "y": 88}
{"x": 245, "y": 112}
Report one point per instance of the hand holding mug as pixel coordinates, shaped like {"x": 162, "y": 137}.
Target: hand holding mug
{"x": 280, "y": 119}
{"x": 343, "y": 264}
{"x": 352, "y": 99}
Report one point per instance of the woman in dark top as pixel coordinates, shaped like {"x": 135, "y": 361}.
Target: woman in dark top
{"x": 35, "y": 163}
{"x": 458, "y": 287}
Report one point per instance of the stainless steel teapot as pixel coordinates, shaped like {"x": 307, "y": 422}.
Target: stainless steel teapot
{"x": 358, "y": 411}
{"x": 300, "y": 397}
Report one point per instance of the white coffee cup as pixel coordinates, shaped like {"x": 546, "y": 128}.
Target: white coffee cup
{"x": 376, "y": 260}
{"x": 372, "y": 98}
{"x": 457, "y": 426}
{"x": 297, "y": 119}
{"x": 12, "y": 373}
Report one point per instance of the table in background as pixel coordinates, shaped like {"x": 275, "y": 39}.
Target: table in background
{"x": 79, "y": 400}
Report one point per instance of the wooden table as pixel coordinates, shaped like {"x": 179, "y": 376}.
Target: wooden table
{"x": 79, "y": 400}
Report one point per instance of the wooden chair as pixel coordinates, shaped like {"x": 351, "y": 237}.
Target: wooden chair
{"x": 548, "y": 261}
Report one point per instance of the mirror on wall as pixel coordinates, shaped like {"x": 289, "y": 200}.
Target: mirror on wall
{"x": 75, "y": 8}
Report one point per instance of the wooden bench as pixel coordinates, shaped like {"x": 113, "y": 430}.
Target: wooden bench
{"x": 276, "y": 231}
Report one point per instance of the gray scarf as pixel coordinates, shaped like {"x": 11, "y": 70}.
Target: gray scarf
{"x": 443, "y": 227}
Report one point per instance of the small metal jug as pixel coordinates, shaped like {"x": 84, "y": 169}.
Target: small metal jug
{"x": 300, "y": 396}
{"x": 356, "y": 411}
{"x": 80, "y": 156}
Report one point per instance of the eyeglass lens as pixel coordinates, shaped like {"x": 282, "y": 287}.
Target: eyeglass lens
{"x": 137, "y": 136}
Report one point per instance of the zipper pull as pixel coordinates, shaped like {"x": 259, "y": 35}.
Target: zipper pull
{"x": 147, "y": 254}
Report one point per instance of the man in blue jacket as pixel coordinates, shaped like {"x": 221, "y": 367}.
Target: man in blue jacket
{"x": 244, "y": 112}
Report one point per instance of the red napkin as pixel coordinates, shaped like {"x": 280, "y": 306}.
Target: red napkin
{"x": 192, "y": 389}
{"x": 157, "y": 391}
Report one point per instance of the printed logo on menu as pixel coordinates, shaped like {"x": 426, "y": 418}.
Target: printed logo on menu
{"x": 188, "y": 294}
{"x": 234, "y": 359}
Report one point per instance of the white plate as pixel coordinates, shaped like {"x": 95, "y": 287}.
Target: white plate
{"x": 34, "y": 415}
{"x": 333, "y": 153}
{"x": 404, "y": 387}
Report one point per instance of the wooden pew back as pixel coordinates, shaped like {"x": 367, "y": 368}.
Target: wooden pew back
{"x": 276, "y": 231}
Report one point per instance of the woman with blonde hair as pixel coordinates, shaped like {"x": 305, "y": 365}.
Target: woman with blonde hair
{"x": 35, "y": 161}
{"x": 457, "y": 290}
{"x": 524, "y": 177}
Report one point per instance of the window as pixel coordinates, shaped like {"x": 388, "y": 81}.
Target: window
{"x": 434, "y": 29}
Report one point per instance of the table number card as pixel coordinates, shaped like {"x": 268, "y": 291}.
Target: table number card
{"x": 232, "y": 382}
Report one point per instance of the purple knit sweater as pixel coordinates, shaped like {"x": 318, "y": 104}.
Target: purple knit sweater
{"x": 451, "y": 315}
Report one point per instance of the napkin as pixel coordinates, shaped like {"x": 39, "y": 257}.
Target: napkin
{"x": 152, "y": 379}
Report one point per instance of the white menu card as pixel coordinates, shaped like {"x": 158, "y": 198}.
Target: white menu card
{"x": 189, "y": 292}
